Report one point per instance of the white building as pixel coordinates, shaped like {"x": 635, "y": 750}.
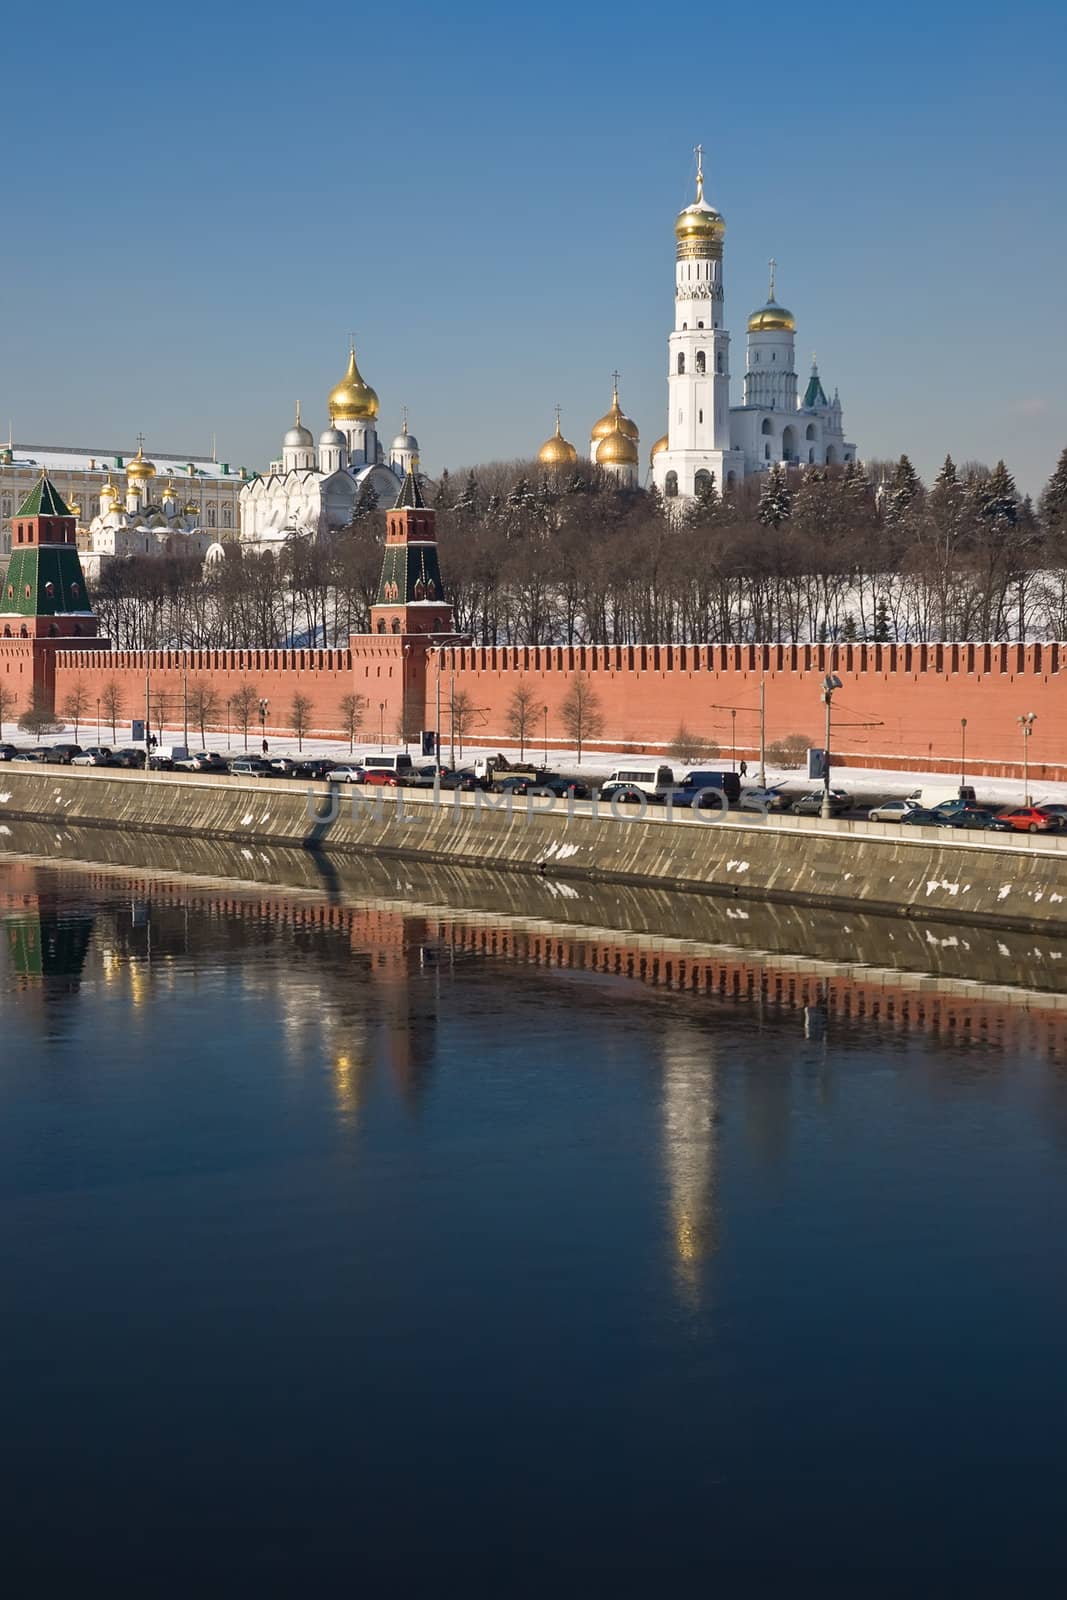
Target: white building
{"x": 209, "y": 490}
{"x": 707, "y": 437}
{"x": 146, "y": 521}
{"x": 312, "y": 491}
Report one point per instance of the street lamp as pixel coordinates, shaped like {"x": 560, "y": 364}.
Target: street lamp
{"x": 963, "y": 753}
{"x": 829, "y": 684}
{"x": 1026, "y": 723}
{"x": 381, "y": 724}
{"x": 98, "y": 721}
{"x": 733, "y": 737}
{"x": 263, "y": 704}
{"x": 546, "y": 736}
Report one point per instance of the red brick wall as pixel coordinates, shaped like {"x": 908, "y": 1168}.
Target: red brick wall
{"x": 916, "y": 694}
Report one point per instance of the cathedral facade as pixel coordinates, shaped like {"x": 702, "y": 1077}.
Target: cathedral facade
{"x": 313, "y": 490}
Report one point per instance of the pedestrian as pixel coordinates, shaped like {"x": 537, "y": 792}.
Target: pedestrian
{"x": 264, "y": 747}
{"x": 744, "y": 769}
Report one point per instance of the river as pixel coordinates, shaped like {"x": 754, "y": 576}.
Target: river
{"x": 356, "y": 1238}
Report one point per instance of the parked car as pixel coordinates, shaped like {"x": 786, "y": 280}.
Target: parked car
{"x": 39, "y": 756}
{"x": 201, "y": 761}
{"x": 773, "y": 798}
{"x": 347, "y": 772}
{"x": 401, "y": 766}
{"x": 251, "y": 767}
{"x": 426, "y": 776}
{"x": 283, "y": 766}
{"x": 891, "y": 810}
{"x": 1030, "y": 819}
{"x": 61, "y": 755}
{"x": 97, "y": 755}
{"x": 522, "y": 782}
{"x": 1055, "y": 809}
{"x": 316, "y": 769}
{"x": 637, "y": 780}
{"x": 923, "y": 817}
{"x": 379, "y": 778}
{"x": 976, "y": 817}
{"x": 466, "y": 779}
{"x": 127, "y": 758}
{"x": 727, "y": 783}
{"x": 8, "y": 752}
{"x": 810, "y": 805}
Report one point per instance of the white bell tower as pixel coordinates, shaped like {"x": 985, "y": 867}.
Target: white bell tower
{"x": 698, "y": 377}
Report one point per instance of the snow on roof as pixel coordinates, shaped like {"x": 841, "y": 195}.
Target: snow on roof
{"x": 72, "y": 458}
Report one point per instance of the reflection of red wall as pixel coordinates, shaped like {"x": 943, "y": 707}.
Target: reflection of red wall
{"x": 915, "y": 693}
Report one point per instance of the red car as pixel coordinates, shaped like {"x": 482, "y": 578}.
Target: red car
{"x": 388, "y": 780}
{"x": 1030, "y": 819}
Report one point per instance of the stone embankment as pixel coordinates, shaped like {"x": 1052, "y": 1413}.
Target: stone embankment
{"x": 994, "y": 880}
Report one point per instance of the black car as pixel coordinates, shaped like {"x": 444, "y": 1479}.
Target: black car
{"x": 522, "y": 783}
{"x": 923, "y": 817}
{"x": 316, "y": 770}
{"x": 464, "y": 779}
{"x": 727, "y": 784}
{"x": 8, "y": 752}
{"x": 977, "y": 818}
{"x": 61, "y": 755}
{"x": 127, "y": 758}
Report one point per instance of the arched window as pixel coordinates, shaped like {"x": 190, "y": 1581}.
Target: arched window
{"x": 227, "y": 517}
{"x": 381, "y": 624}
{"x": 431, "y": 590}
{"x": 700, "y": 324}
{"x": 396, "y": 624}
{"x": 702, "y": 481}
{"x": 766, "y": 452}
{"x": 701, "y": 361}
{"x": 789, "y": 443}
{"x": 7, "y": 633}
{"x": 24, "y": 632}
{"x": 811, "y": 456}
{"x": 211, "y": 516}
{"x": 731, "y": 479}
{"x": 809, "y": 432}
{"x": 719, "y": 363}
{"x": 831, "y": 456}
{"x": 420, "y": 590}
{"x": 670, "y": 485}
{"x": 765, "y": 425}
{"x": 757, "y": 355}
{"x": 681, "y": 362}
{"x": 5, "y": 508}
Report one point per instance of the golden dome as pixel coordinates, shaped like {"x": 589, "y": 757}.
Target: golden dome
{"x": 699, "y": 223}
{"x": 170, "y": 492}
{"x": 557, "y": 451}
{"x": 772, "y": 318}
{"x": 108, "y": 489}
{"x": 658, "y": 448}
{"x": 617, "y": 450}
{"x": 352, "y": 400}
{"x": 192, "y": 509}
{"x": 139, "y": 468}
{"x": 615, "y": 420}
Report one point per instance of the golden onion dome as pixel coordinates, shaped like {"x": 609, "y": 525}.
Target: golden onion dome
{"x": 352, "y": 400}
{"x": 614, "y": 420}
{"x": 109, "y": 489}
{"x": 557, "y": 451}
{"x": 191, "y": 509}
{"x": 170, "y": 492}
{"x": 658, "y": 448}
{"x": 617, "y": 450}
{"x": 139, "y": 468}
{"x": 772, "y": 318}
{"x": 699, "y": 223}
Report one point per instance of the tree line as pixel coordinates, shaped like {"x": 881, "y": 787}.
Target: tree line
{"x": 812, "y": 554}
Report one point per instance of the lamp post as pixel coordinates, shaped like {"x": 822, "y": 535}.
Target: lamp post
{"x": 763, "y": 733}
{"x": 1026, "y": 723}
{"x": 963, "y": 752}
{"x": 546, "y": 736}
{"x": 733, "y": 737}
{"x": 185, "y": 700}
{"x": 98, "y": 721}
{"x": 263, "y": 704}
{"x": 381, "y": 724}
{"x": 829, "y": 684}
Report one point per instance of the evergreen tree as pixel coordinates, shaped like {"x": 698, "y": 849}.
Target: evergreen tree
{"x": 904, "y": 494}
{"x": 776, "y": 498}
{"x": 1053, "y": 503}
{"x": 997, "y": 497}
{"x": 848, "y": 629}
{"x": 467, "y": 504}
{"x": 705, "y": 505}
{"x": 445, "y": 497}
{"x": 882, "y": 631}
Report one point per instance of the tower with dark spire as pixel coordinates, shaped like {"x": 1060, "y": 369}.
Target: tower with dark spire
{"x": 411, "y": 596}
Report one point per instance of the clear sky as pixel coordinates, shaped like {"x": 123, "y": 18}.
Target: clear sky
{"x": 203, "y": 201}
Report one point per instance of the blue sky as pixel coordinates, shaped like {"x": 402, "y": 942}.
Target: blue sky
{"x": 210, "y": 198}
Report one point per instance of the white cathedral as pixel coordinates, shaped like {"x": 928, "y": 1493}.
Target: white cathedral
{"x": 313, "y": 492}
{"x": 707, "y": 438}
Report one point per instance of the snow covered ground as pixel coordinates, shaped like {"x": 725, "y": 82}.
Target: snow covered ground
{"x": 865, "y": 782}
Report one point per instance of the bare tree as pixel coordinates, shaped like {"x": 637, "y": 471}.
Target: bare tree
{"x": 111, "y": 701}
{"x": 523, "y": 707}
{"x": 244, "y": 703}
{"x": 203, "y": 706}
{"x": 580, "y": 712}
{"x": 462, "y": 708}
{"x": 790, "y": 751}
{"x": 687, "y": 747}
{"x": 38, "y": 716}
{"x": 352, "y": 708}
{"x": 76, "y": 704}
{"x": 8, "y": 700}
{"x": 300, "y": 708}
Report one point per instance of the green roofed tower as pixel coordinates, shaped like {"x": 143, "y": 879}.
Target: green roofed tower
{"x": 44, "y": 590}
{"x": 411, "y": 596}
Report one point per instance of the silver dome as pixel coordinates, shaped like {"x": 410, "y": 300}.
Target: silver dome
{"x": 329, "y": 438}
{"x": 298, "y": 438}
{"x": 405, "y": 441}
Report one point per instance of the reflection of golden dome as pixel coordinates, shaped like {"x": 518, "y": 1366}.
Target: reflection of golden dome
{"x": 617, "y": 449}
{"x": 352, "y": 400}
{"x": 139, "y": 468}
{"x": 658, "y": 448}
{"x": 772, "y": 318}
{"x": 615, "y": 420}
{"x": 557, "y": 451}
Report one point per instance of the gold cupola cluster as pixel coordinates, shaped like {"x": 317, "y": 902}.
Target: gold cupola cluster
{"x": 615, "y": 437}
{"x": 772, "y": 318}
{"x": 353, "y": 400}
{"x": 699, "y": 229}
{"x": 557, "y": 451}
{"x": 139, "y": 469}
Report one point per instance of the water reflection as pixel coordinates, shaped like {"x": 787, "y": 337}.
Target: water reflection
{"x": 690, "y": 1150}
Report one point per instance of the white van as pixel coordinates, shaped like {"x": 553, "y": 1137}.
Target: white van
{"x": 398, "y": 764}
{"x": 942, "y": 795}
{"x": 648, "y": 779}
